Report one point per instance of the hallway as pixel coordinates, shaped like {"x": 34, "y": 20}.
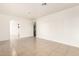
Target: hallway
{"x": 37, "y": 47}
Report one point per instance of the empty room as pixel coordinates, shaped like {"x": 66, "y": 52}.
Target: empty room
{"x": 39, "y": 29}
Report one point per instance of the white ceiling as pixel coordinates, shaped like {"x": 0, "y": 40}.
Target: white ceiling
{"x": 33, "y": 10}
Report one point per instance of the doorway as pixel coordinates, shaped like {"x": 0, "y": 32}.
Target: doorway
{"x": 13, "y": 36}
{"x": 34, "y": 29}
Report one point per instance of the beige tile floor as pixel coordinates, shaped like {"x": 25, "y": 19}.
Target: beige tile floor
{"x": 37, "y": 47}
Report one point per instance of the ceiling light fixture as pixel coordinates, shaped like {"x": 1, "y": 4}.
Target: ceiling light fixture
{"x": 44, "y": 4}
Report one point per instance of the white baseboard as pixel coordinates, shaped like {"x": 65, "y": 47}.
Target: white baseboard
{"x": 62, "y": 42}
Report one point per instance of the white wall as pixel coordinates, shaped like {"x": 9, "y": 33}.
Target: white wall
{"x": 4, "y": 27}
{"x": 61, "y": 27}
